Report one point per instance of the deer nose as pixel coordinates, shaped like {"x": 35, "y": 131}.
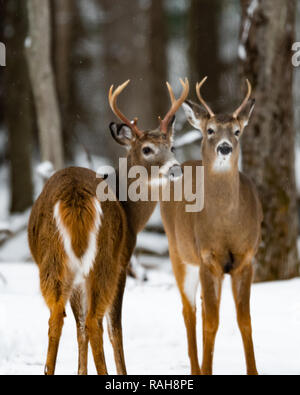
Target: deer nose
{"x": 175, "y": 172}
{"x": 224, "y": 149}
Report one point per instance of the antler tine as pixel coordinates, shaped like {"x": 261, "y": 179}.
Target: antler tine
{"x": 202, "y": 101}
{"x": 112, "y": 97}
{"x": 238, "y": 111}
{"x": 171, "y": 93}
{"x": 176, "y": 104}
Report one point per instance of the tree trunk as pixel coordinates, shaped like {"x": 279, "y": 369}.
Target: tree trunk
{"x": 204, "y": 47}
{"x": 63, "y": 39}
{"x": 158, "y": 58}
{"x": 2, "y": 19}
{"x": 126, "y": 55}
{"x": 38, "y": 46}
{"x": 267, "y": 35}
{"x": 18, "y": 108}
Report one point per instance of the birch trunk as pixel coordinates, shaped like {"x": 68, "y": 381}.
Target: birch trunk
{"x": 38, "y": 46}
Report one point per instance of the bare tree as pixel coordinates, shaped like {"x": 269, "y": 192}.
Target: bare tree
{"x": 63, "y": 13}
{"x": 204, "y": 24}
{"x": 18, "y": 108}
{"x": 126, "y": 55}
{"x": 158, "y": 57}
{"x": 267, "y": 35}
{"x": 38, "y": 46}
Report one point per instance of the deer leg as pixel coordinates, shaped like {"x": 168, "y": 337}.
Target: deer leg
{"x": 188, "y": 285}
{"x": 97, "y": 305}
{"x": 241, "y": 287}
{"x": 79, "y": 308}
{"x": 56, "y": 294}
{"x": 56, "y": 322}
{"x": 211, "y": 284}
{"x": 114, "y": 324}
{"x": 94, "y": 325}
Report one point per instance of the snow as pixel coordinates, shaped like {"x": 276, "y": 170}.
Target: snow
{"x": 45, "y": 170}
{"x": 153, "y": 242}
{"x": 28, "y": 42}
{"x": 155, "y": 341}
{"x": 297, "y": 166}
{"x": 247, "y": 26}
{"x": 242, "y": 52}
{"x": 16, "y": 248}
{"x": 188, "y": 138}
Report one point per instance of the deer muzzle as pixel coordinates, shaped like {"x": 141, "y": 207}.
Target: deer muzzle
{"x": 224, "y": 149}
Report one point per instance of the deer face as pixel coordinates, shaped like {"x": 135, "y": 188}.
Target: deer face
{"x": 221, "y": 133}
{"x": 153, "y": 148}
{"x": 149, "y": 148}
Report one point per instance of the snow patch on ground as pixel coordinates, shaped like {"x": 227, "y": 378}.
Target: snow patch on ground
{"x": 153, "y": 242}
{"x": 154, "y": 333}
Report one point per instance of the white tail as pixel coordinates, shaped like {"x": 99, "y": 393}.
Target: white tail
{"x": 83, "y": 247}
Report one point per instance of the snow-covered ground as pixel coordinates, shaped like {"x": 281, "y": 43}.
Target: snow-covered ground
{"x": 154, "y": 332}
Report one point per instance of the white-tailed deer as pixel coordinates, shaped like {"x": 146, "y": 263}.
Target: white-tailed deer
{"x": 83, "y": 246}
{"x": 223, "y": 237}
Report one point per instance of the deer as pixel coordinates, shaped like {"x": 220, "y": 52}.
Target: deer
{"x": 221, "y": 239}
{"x": 83, "y": 246}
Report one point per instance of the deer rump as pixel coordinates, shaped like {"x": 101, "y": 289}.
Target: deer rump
{"x": 75, "y": 230}
{"x": 78, "y": 227}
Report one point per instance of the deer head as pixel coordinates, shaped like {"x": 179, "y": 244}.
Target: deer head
{"x": 221, "y": 133}
{"x": 148, "y": 148}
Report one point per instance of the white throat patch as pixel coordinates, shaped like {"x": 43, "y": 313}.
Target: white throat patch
{"x": 222, "y": 163}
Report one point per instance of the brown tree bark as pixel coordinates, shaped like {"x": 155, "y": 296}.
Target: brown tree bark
{"x": 63, "y": 13}
{"x": 18, "y": 108}
{"x": 204, "y": 23}
{"x": 158, "y": 58}
{"x": 2, "y": 19}
{"x": 126, "y": 55}
{"x": 267, "y": 35}
{"x": 38, "y": 46}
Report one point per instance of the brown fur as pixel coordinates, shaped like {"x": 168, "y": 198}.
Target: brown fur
{"x": 75, "y": 189}
{"x": 222, "y": 238}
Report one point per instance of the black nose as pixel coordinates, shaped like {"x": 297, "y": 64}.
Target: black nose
{"x": 224, "y": 149}
{"x": 175, "y": 172}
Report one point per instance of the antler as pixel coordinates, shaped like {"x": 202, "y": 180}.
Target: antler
{"x": 113, "y": 95}
{"x": 202, "y": 101}
{"x": 238, "y": 111}
{"x": 176, "y": 104}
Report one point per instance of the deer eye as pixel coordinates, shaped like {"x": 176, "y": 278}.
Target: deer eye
{"x": 210, "y": 132}
{"x": 173, "y": 149}
{"x": 237, "y": 133}
{"x": 147, "y": 151}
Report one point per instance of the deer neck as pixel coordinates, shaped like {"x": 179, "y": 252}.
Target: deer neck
{"x": 222, "y": 188}
{"x": 138, "y": 213}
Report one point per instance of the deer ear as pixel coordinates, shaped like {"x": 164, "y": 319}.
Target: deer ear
{"x": 195, "y": 114}
{"x": 171, "y": 127}
{"x": 246, "y": 114}
{"x": 121, "y": 133}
